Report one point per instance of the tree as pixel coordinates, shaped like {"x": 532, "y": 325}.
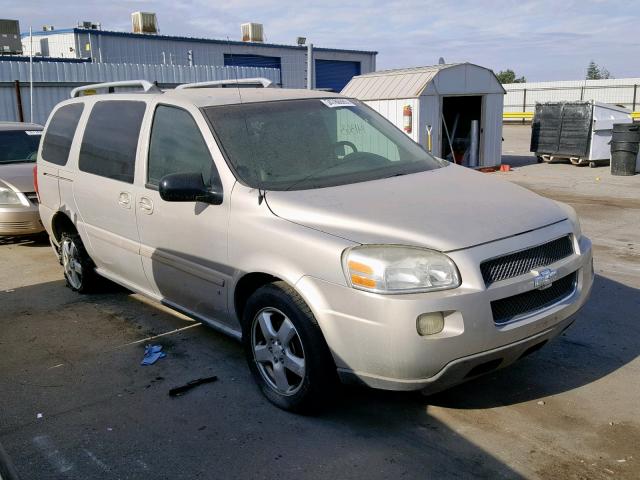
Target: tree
{"x": 596, "y": 72}
{"x": 509, "y": 76}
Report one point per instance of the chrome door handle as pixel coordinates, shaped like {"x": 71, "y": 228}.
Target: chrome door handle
{"x": 146, "y": 205}
{"x": 124, "y": 199}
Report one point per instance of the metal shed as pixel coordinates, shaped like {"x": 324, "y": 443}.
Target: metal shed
{"x": 443, "y": 107}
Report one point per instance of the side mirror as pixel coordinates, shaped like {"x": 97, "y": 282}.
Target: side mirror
{"x": 188, "y": 187}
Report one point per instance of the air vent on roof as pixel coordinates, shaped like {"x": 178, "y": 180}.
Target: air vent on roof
{"x": 144, "y": 22}
{"x": 252, "y": 32}
{"x": 89, "y": 25}
{"x": 48, "y": 28}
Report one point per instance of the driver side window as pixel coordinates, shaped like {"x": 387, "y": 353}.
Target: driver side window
{"x": 356, "y": 130}
{"x": 177, "y": 146}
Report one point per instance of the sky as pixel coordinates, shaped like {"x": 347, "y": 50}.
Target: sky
{"x": 540, "y": 39}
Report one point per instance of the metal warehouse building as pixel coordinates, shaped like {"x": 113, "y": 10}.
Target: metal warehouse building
{"x": 333, "y": 67}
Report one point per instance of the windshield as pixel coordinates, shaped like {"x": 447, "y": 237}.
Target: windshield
{"x": 313, "y": 143}
{"x": 19, "y": 145}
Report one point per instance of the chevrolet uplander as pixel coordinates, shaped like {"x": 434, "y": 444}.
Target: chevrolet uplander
{"x": 311, "y": 228}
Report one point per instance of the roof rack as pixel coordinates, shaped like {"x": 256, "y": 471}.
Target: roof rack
{"x": 147, "y": 87}
{"x": 257, "y": 82}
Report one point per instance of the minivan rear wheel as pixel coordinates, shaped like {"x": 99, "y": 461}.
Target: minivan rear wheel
{"x": 286, "y": 351}
{"x": 79, "y": 270}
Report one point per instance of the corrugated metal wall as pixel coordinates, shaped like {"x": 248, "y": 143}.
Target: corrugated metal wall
{"x": 522, "y": 97}
{"x": 53, "y": 81}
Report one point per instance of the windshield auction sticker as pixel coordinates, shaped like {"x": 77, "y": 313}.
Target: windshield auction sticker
{"x": 337, "y": 102}
{"x": 33, "y": 132}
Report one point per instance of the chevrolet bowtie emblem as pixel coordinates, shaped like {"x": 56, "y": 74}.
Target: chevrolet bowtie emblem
{"x": 544, "y": 278}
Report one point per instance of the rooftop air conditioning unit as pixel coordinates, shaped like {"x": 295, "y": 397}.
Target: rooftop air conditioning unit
{"x": 252, "y": 32}
{"x": 144, "y": 22}
{"x": 90, "y": 26}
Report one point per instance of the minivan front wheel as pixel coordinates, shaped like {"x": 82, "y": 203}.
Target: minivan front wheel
{"x": 285, "y": 349}
{"x": 76, "y": 263}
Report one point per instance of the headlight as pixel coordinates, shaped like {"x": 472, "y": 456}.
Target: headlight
{"x": 573, "y": 218}
{"x": 9, "y": 197}
{"x": 398, "y": 269}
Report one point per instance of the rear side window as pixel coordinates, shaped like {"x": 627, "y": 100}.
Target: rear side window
{"x": 177, "y": 146}
{"x": 62, "y": 128}
{"x": 111, "y": 139}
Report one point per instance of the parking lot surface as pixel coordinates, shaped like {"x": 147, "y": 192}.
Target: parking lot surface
{"x": 76, "y": 403}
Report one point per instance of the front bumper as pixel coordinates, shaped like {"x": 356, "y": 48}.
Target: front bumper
{"x": 374, "y": 339}
{"x": 20, "y": 220}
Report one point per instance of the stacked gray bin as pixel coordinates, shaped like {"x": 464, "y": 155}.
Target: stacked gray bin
{"x": 625, "y": 143}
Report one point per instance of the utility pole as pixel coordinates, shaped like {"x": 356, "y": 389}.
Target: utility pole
{"x": 31, "y": 74}
{"x": 310, "y": 72}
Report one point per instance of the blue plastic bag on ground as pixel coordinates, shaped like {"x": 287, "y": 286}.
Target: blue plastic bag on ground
{"x": 151, "y": 354}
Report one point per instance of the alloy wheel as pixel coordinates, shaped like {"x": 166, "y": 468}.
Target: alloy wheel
{"x": 71, "y": 263}
{"x": 277, "y": 351}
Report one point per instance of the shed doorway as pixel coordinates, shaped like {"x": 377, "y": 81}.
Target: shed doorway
{"x": 458, "y": 112}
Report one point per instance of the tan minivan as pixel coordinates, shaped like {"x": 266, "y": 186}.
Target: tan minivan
{"x": 307, "y": 225}
{"x": 18, "y": 200}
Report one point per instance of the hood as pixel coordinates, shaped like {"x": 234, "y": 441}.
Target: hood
{"x": 18, "y": 175}
{"x": 445, "y": 209}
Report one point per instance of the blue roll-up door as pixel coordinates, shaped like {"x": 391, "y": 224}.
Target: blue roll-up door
{"x": 244, "y": 60}
{"x": 335, "y": 74}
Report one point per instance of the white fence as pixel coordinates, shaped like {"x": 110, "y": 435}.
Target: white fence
{"x": 53, "y": 81}
{"x": 522, "y": 97}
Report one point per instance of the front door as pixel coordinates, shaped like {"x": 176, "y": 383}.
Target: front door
{"x": 183, "y": 244}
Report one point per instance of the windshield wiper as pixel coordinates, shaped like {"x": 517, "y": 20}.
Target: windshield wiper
{"x": 322, "y": 170}
{"x": 396, "y": 175}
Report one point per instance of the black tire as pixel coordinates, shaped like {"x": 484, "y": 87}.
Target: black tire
{"x": 88, "y": 280}
{"x": 593, "y": 164}
{"x": 319, "y": 383}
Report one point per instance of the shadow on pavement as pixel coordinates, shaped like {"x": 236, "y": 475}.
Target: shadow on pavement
{"x": 37, "y": 240}
{"x": 519, "y": 160}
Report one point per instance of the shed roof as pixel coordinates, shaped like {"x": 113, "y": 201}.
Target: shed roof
{"x": 412, "y": 82}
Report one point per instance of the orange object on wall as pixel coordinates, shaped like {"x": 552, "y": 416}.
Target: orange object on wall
{"x": 407, "y": 118}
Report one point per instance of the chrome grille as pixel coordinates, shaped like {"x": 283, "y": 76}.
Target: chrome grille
{"x": 519, "y": 263}
{"x": 506, "y": 309}
{"x": 18, "y": 226}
